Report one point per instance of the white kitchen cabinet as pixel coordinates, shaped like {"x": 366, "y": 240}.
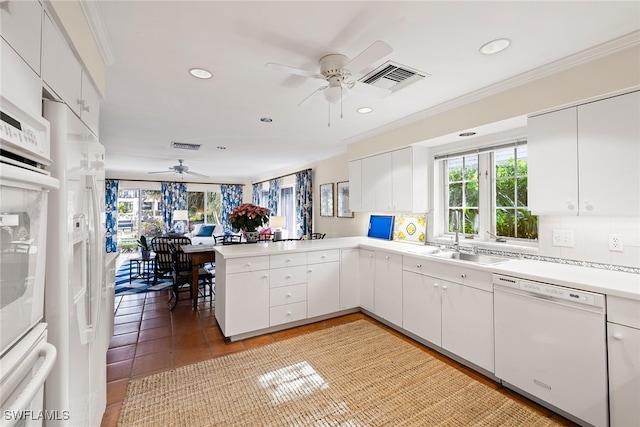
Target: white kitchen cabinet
{"x": 246, "y": 302}
{"x": 21, "y": 27}
{"x": 349, "y": 278}
{"x": 623, "y": 345}
{"x": 583, "y": 159}
{"x": 63, "y": 74}
{"x": 395, "y": 181}
{"x": 467, "y": 323}
{"x": 367, "y": 270}
{"x": 355, "y": 185}
{"x": 323, "y": 287}
{"x": 457, "y": 316}
{"x": 421, "y": 306}
{"x": 377, "y": 183}
{"x": 388, "y": 286}
{"x": 19, "y": 82}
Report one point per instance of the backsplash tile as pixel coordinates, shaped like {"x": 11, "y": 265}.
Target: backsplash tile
{"x": 410, "y": 229}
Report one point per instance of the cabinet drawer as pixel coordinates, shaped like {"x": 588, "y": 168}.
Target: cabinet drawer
{"x": 288, "y": 260}
{"x": 288, "y": 276}
{"x": 417, "y": 265}
{"x": 316, "y": 257}
{"x": 287, "y": 295}
{"x": 288, "y": 313}
{"x": 241, "y": 265}
{"x": 623, "y": 311}
{"x": 446, "y": 271}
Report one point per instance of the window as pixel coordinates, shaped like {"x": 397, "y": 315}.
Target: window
{"x": 138, "y": 214}
{"x": 204, "y": 207}
{"x": 487, "y": 190}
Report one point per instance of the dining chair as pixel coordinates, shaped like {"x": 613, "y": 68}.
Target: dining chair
{"x": 228, "y": 239}
{"x": 183, "y": 276}
{"x": 315, "y": 236}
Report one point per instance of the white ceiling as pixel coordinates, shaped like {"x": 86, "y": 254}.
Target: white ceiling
{"x": 151, "y": 99}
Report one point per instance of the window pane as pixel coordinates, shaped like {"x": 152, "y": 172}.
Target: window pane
{"x": 195, "y": 206}
{"x": 527, "y": 224}
{"x": 471, "y": 168}
{"x": 151, "y": 216}
{"x": 214, "y": 207}
{"x": 452, "y": 218}
{"x": 470, "y": 221}
{"x": 455, "y": 169}
{"x": 455, "y": 195}
{"x": 505, "y": 192}
{"x": 522, "y": 192}
{"x": 505, "y": 222}
{"x": 471, "y": 194}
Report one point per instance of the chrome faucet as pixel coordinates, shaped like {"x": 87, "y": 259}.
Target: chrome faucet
{"x": 456, "y": 228}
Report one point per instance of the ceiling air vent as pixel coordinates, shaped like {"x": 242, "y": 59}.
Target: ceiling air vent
{"x": 184, "y": 146}
{"x": 392, "y": 76}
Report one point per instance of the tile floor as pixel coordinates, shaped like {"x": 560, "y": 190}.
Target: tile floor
{"x": 148, "y": 338}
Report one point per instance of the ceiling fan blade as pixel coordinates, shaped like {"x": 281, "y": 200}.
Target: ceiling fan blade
{"x": 373, "y": 53}
{"x": 296, "y": 71}
{"x": 169, "y": 171}
{"x": 196, "y": 174}
{"x": 312, "y": 93}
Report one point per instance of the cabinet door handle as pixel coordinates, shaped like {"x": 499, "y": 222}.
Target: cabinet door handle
{"x": 419, "y": 265}
{"x": 86, "y": 108}
{"x": 288, "y": 313}
{"x": 288, "y": 295}
{"x": 617, "y": 336}
{"x": 570, "y": 205}
{"x": 265, "y": 276}
{"x": 588, "y": 205}
{"x": 309, "y": 271}
{"x": 248, "y": 264}
{"x": 463, "y": 275}
{"x": 386, "y": 257}
{"x": 288, "y": 276}
{"x": 323, "y": 257}
{"x": 288, "y": 260}
{"x": 444, "y": 287}
{"x": 435, "y": 285}
{"x": 80, "y": 102}
{"x": 370, "y": 256}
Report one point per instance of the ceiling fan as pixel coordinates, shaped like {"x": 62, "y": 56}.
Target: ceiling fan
{"x": 180, "y": 169}
{"x": 337, "y": 70}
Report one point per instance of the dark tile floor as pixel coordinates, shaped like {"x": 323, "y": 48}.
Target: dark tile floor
{"x": 148, "y": 338}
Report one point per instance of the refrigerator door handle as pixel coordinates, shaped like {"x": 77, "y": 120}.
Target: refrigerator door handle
{"x": 48, "y": 353}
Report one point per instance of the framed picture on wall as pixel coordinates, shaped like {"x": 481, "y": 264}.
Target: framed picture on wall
{"x": 342, "y": 190}
{"x": 326, "y": 199}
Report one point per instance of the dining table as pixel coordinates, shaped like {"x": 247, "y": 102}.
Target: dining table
{"x": 199, "y": 254}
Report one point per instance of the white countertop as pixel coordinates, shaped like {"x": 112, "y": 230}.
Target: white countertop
{"x": 615, "y": 283}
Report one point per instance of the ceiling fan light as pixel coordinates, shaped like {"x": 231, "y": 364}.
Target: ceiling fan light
{"x": 364, "y": 110}
{"x": 200, "y": 73}
{"x": 333, "y": 94}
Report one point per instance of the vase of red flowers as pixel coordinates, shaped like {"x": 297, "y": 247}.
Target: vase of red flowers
{"x": 248, "y": 217}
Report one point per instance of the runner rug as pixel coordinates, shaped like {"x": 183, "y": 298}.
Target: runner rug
{"x": 356, "y": 374}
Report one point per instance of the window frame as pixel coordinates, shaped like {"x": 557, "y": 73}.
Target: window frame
{"x": 486, "y": 197}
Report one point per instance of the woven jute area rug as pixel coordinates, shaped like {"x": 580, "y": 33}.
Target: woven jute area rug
{"x": 356, "y": 374}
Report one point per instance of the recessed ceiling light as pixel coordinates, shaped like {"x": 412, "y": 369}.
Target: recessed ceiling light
{"x": 467, "y": 133}
{"x": 200, "y": 73}
{"x": 266, "y": 119}
{"x": 495, "y": 46}
{"x": 364, "y": 110}
{"x": 221, "y": 147}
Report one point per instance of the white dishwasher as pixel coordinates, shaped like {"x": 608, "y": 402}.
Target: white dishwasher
{"x": 550, "y": 343}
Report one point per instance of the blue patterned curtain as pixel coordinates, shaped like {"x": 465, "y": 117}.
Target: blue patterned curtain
{"x": 255, "y": 196}
{"x": 304, "y": 202}
{"x": 274, "y": 196}
{"x": 111, "y": 214}
{"x": 231, "y": 198}
{"x": 174, "y": 197}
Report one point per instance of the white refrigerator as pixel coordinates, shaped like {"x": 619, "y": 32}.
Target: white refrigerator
{"x": 76, "y": 299}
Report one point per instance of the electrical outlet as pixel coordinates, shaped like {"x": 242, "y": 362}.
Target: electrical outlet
{"x": 615, "y": 243}
{"x": 563, "y": 238}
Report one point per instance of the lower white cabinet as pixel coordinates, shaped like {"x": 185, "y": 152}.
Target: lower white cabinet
{"x": 455, "y": 316}
{"x": 388, "y": 286}
{"x": 349, "y": 278}
{"x": 623, "y": 345}
{"x": 421, "y": 306}
{"x": 323, "y": 282}
{"x": 246, "y": 302}
{"x": 367, "y": 269}
{"x": 467, "y": 323}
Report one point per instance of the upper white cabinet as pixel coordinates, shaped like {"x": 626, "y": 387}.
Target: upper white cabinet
{"x": 62, "y": 72}
{"x": 584, "y": 160}
{"x": 21, "y": 27}
{"x": 390, "y": 182}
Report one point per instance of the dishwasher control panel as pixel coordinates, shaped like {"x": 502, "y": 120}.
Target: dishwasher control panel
{"x": 551, "y": 291}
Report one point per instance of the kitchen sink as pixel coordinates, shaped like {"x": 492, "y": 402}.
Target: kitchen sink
{"x": 477, "y": 258}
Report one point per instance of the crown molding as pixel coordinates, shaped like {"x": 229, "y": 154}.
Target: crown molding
{"x": 604, "y": 49}
{"x": 96, "y": 24}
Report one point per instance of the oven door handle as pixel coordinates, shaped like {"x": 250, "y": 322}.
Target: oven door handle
{"x": 21, "y": 177}
{"x": 47, "y": 352}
